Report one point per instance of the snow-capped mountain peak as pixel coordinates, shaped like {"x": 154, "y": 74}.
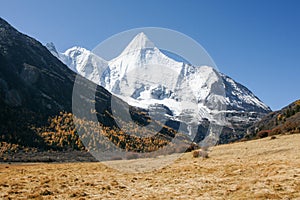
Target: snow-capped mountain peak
{"x": 140, "y": 41}
{"x": 141, "y": 63}
{"x": 76, "y": 50}
{"x": 143, "y": 76}
{"x": 81, "y": 61}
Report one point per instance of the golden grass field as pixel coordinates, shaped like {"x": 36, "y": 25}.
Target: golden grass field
{"x": 258, "y": 169}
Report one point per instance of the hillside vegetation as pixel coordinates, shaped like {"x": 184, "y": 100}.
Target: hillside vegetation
{"x": 286, "y": 120}
{"x": 60, "y": 134}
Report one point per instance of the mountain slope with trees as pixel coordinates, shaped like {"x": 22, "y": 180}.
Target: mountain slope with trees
{"x": 36, "y": 103}
{"x": 286, "y": 120}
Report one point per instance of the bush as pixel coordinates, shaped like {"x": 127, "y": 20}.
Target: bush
{"x": 196, "y": 154}
{"x": 263, "y": 133}
{"x": 275, "y": 131}
{"x": 273, "y": 137}
{"x": 200, "y": 153}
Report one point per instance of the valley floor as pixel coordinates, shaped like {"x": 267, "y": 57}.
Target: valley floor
{"x": 258, "y": 169}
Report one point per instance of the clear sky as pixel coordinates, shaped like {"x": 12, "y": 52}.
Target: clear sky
{"x": 255, "y": 42}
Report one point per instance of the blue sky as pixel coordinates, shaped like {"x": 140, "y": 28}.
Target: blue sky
{"x": 255, "y": 42}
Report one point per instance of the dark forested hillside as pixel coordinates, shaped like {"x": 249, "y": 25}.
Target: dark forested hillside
{"x": 286, "y": 120}
{"x": 33, "y": 86}
{"x": 36, "y": 103}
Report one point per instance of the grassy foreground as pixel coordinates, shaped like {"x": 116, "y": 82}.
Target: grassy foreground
{"x": 258, "y": 169}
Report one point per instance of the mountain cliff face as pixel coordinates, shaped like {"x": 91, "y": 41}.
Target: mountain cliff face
{"x": 143, "y": 76}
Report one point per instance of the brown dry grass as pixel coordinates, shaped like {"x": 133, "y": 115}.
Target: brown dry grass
{"x": 260, "y": 169}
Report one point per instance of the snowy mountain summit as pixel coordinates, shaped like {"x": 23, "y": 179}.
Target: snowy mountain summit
{"x": 140, "y": 41}
{"x": 145, "y": 77}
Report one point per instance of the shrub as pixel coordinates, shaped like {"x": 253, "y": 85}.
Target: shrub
{"x": 200, "y": 153}
{"x": 263, "y": 133}
{"x": 273, "y": 137}
{"x": 289, "y": 126}
{"x": 196, "y": 154}
{"x": 275, "y": 131}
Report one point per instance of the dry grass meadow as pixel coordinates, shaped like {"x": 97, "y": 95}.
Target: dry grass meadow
{"x": 259, "y": 169}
